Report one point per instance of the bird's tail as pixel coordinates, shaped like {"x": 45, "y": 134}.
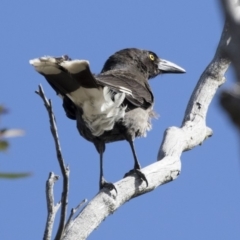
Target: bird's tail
{"x": 101, "y": 104}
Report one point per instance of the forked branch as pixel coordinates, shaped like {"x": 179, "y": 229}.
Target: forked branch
{"x": 64, "y": 169}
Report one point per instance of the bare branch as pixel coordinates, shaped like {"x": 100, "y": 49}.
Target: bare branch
{"x": 194, "y": 130}
{"x": 176, "y": 140}
{"x": 64, "y": 169}
{"x": 52, "y": 209}
{"x": 73, "y": 211}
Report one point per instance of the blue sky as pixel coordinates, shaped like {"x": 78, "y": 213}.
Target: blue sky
{"x": 203, "y": 203}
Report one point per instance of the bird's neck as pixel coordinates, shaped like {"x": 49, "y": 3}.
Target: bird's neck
{"x": 138, "y": 69}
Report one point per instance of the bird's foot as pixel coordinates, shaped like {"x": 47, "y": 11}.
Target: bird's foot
{"x": 108, "y": 185}
{"x": 139, "y": 173}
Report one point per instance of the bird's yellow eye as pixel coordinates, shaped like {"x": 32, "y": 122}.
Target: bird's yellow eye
{"x": 151, "y": 57}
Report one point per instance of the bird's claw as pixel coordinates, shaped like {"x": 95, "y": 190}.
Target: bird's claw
{"x": 108, "y": 185}
{"x": 139, "y": 173}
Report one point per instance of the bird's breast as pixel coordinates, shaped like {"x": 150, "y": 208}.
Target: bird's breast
{"x": 138, "y": 121}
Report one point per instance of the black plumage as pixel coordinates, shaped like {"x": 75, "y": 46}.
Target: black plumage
{"x": 116, "y": 104}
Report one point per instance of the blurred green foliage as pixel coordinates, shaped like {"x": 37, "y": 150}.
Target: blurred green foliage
{"x": 4, "y": 144}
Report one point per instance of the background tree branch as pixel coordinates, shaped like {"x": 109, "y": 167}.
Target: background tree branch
{"x": 230, "y": 99}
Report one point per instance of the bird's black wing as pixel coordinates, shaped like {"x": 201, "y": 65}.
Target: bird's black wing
{"x": 66, "y": 76}
{"x": 141, "y": 95}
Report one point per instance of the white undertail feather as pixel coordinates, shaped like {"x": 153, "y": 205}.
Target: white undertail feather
{"x": 100, "y": 111}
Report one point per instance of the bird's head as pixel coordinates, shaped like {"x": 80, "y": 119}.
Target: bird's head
{"x": 137, "y": 60}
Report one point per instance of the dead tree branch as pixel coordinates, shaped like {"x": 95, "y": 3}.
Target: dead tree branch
{"x": 52, "y": 209}
{"x": 230, "y": 99}
{"x": 64, "y": 169}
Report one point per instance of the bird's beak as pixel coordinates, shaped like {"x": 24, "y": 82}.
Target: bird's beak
{"x": 168, "y": 67}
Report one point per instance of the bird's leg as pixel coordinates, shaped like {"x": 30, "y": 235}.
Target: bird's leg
{"x": 103, "y": 183}
{"x": 137, "y": 166}
{"x": 136, "y": 162}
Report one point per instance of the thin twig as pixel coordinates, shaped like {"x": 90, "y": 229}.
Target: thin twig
{"x": 52, "y": 209}
{"x": 73, "y": 211}
{"x": 64, "y": 169}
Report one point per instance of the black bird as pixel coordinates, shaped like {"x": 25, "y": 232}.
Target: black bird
{"x": 116, "y": 104}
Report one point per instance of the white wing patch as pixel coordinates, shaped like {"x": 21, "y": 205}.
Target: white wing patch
{"x": 75, "y": 66}
{"x": 50, "y": 65}
{"x": 45, "y": 65}
{"x": 101, "y": 110}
